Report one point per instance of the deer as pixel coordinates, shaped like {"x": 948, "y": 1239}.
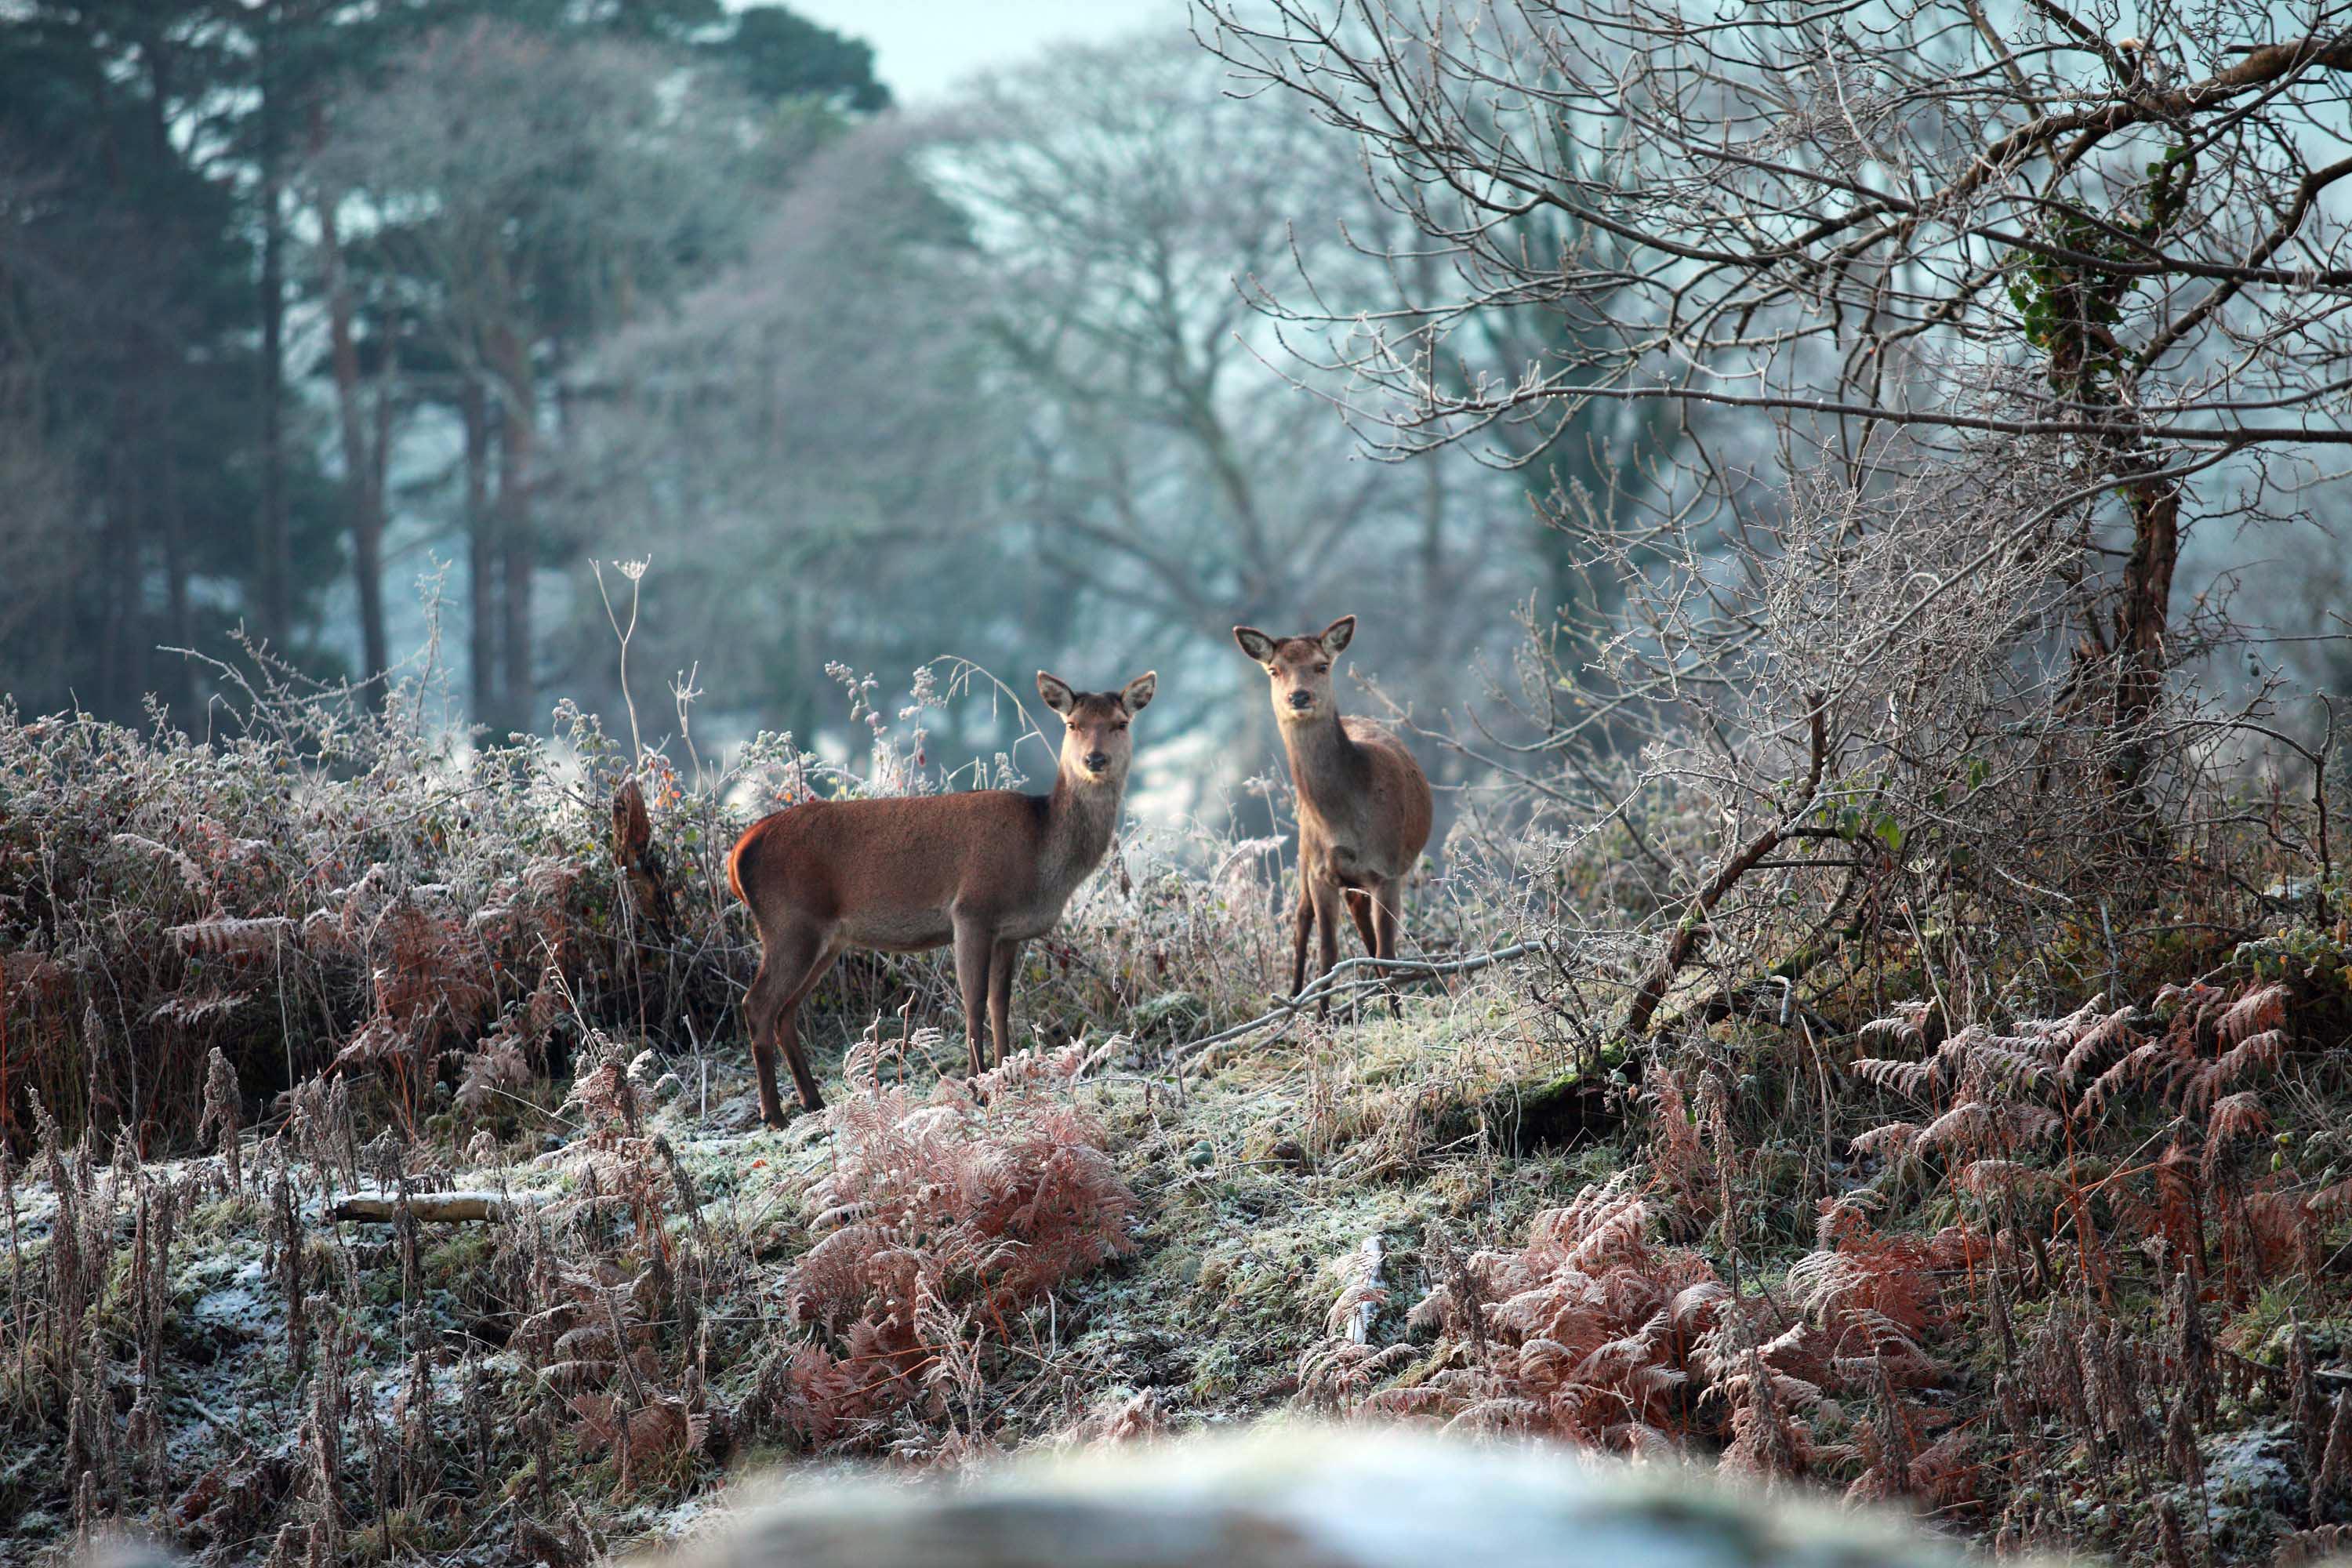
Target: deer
{"x": 1364, "y": 805}
{"x": 985, "y": 870}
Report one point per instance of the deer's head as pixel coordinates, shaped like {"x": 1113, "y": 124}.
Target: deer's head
{"x": 1300, "y": 666}
{"x": 1096, "y": 745}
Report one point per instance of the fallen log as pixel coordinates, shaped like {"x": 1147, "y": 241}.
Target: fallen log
{"x": 382, "y": 1208}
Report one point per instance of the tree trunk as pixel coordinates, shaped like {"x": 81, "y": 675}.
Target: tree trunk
{"x": 367, "y": 577}
{"x": 362, "y": 470}
{"x": 517, "y": 432}
{"x": 1436, "y": 610}
{"x": 2144, "y": 614}
{"x": 373, "y": 643}
{"x": 275, "y": 568}
{"x": 440, "y": 1208}
{"x": 173, "y": 681}
{"x": 159, "y": 507}
{"x": 481, "y": 556}
{"x": 118, "y": 588}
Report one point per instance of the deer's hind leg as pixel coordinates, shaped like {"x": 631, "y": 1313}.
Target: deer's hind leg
{"x": 791, "y": 961}
{"x": 788, "y": 1028}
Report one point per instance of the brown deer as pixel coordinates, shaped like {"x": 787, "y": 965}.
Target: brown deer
{"x": 986, "y": 870}
{"x": 1364, "y": 805}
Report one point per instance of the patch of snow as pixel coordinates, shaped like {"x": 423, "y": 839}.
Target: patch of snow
{"x": 241, "y": 1307}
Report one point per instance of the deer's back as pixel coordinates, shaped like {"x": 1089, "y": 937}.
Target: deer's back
{"x": 891, "y": 873}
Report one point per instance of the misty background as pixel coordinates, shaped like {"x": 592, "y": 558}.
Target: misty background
{"x": 348, "y": 337}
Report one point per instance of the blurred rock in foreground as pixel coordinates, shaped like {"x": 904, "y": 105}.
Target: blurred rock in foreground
{"x": 1305, "y": 1497}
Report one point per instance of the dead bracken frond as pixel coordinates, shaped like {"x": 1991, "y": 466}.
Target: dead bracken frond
{"x": 945, "y": 1216}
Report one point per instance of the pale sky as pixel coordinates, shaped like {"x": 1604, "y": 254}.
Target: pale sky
{"x": 921, "y": 47}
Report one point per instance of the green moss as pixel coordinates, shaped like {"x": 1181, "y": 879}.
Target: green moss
{"x": 223, "y": 1216}
{"x": 1217, "y": 1373}
{"x": 451, "y": 1264}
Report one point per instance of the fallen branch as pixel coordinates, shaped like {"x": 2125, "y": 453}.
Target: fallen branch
{"x": 1343, "y": 978}
{"x": 1691, "y": 930}
{"x": 1770, "y": 1000}
{"x": 1369, "y": 1258}
{"x": 381, "y": 1209}
{"x": 2330, "y": 1376}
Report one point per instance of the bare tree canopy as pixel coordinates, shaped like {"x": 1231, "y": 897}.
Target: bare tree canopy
{"x": 1824, "y": 208}
{"x": 1911, "y": 233}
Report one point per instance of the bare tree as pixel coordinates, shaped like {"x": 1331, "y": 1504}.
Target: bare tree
{"x": 525, "y": 192}
{"x": 807, "y": 448}
{"x": 1920, "y": 218}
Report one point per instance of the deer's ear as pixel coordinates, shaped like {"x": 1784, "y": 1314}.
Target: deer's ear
{"x": 1056, "y": 693}
{"x": 1337, "y": 634}
{"x": 1255, "y": 643}
{"x": 1138, "y": 691}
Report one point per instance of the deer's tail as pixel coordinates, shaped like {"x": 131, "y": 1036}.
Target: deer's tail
{"x": 736, "y": 858}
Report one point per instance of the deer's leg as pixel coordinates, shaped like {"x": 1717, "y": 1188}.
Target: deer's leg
{"x": 1360, "y": 905}
{"x": 761, "y": 1004}
{"x": 1326, "y": 937}
{"x": 791, "y": 961}
{"x": 788, "y": 1028}
{"x": 1385, "y": 919}
{"x": 1001, "y": 962}
{"x": 974, "y": 944}
{"x": 1305, "y": 929}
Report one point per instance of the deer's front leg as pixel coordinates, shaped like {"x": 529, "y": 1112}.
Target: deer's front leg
{"x": 1328, "y": 913}
{"x": 974, "y": 944}
{"x": 1306, "y": 923}
{"x": 1002, "y": 960}
{"x": 1386, "y": 898}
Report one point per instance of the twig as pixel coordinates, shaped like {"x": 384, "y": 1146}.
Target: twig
{"x": 1329, "y": 984}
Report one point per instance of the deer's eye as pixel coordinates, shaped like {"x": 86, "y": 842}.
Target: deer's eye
{"x": 1324, "y": 668}
{"x": 1120, "y": 727}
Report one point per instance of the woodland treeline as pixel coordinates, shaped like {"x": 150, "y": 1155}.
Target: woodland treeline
{"x": 308, "y": 302}
{"x": 251, "y": 252}
{"x": 357, "y": 332}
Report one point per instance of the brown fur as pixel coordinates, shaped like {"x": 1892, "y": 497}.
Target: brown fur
{"x": 1364, "y": 805}
{"x": 984, "y": 871}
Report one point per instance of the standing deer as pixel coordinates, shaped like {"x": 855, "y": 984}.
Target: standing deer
{"x": 986, "y": 869}
{"x": 1364, "y": 806}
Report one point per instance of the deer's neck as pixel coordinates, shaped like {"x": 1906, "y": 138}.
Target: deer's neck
{"x": 1079, "y": 820}
{"x": 1325, "y": 766}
